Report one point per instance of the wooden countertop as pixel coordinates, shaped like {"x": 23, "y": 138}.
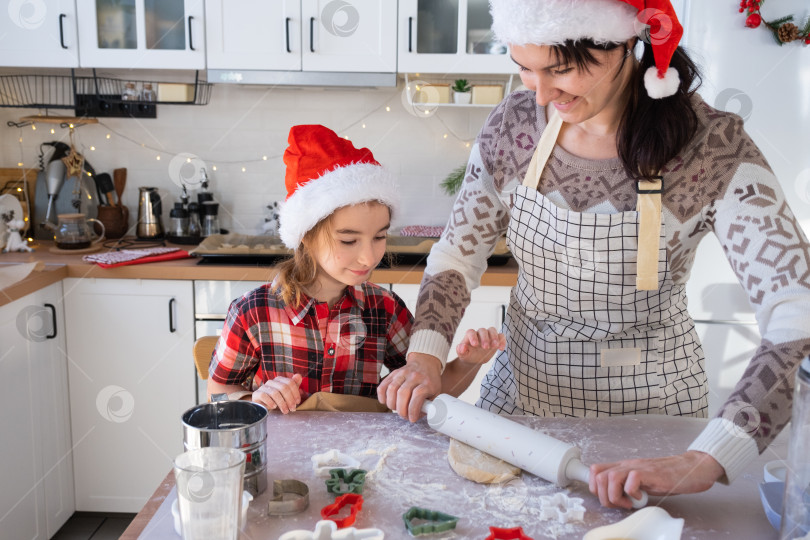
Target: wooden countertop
{"x": 61, "y": 265}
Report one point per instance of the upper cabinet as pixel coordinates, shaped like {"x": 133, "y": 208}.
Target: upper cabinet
{"x": 159, "y": 34}
{"x": 449, "y": 36}
{"x": 307, "y": 35}
{"x": 39, "y": 34}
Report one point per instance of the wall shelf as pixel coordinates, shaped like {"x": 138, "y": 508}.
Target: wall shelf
{"x": 419, "y": 99}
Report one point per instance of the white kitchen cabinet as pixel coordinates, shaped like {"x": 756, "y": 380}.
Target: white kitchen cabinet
{"x": 36, "y": 461}
{"x": 487, "y": 308}
{"x": 131, "y": 377}
{"x": 449, "y": 36}
{"x": 296, "y": 35}
{"x": 138, "y": 34}
{"x": 39, "y": 34}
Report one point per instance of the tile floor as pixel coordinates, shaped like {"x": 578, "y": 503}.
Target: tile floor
{"x": 95, "y": 525}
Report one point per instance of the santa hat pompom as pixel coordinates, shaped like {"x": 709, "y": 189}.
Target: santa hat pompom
{"x": 661, "y": 87}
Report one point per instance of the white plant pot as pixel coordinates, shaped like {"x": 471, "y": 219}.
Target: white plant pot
{"x": 462, "y": 98}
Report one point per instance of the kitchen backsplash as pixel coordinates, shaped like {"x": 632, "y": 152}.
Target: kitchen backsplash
{"x": 242, "y": 133}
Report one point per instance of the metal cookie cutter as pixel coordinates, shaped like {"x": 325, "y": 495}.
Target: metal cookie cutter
{"x": 332, "y": 459}
{"x": 436, "y": 521}
{"x": 561, "y": 506}
{"x": 328, "y": 530}
{"x": 514, "y": 533}
{"x": 345, "y": 481}
{"x": 352, "y": 500}
{"x": 281, "y": 505}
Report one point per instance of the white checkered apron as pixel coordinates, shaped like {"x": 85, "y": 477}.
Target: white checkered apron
{"x": 581, "y": 339}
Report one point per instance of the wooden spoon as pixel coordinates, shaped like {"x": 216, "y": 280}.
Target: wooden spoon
{"x": 120, "y": 182}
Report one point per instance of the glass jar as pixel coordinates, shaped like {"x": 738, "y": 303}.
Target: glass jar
{"x": 147, "y": 94}
{"x": 210, "y": 224}
{"x": 796, "y": 503}
{"x": 178, "y": 220}
{"x": 130, "y": 92}
{"x": 194, "y": 226}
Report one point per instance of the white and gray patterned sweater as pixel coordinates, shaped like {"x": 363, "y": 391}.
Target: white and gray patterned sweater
{"x": 720, "y": 183}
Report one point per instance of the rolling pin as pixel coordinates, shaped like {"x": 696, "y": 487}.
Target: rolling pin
{"x": 549, "y": 458}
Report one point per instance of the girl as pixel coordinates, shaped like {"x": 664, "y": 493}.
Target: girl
{"x": 320, "y": 326}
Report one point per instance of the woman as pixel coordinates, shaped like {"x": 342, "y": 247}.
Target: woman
{"x": 604, "y": 176}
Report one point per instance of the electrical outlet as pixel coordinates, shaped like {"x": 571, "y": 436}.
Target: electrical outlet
{"x": 111, "y": 106}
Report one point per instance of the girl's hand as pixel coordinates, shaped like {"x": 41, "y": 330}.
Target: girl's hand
{"x": 282, "y": 393}
{"x": 477, "y": 347}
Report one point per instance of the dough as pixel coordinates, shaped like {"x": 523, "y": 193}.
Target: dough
{"x": 478, "y": 466}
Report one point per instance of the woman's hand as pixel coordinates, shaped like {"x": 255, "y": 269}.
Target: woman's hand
{"x": 690, "y": 472}
{"x": 405, "y": 389}
{"x": 477, "y": 347}
{"x": 282, "y": 393}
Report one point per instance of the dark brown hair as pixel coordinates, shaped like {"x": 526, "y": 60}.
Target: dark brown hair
{"x": 651, "y": 131}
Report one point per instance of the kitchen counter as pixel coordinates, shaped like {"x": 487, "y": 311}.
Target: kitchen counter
{"x": 61, "y": 265}
{"x": 407, "y": 466}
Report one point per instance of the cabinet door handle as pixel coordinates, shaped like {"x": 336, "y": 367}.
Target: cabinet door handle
{"x": 287, "y": 32}
{"x": 62, "y": 30}
{"x": 410, "y": 34}
{"x": 53, "y": 318}
{"x": 172, "y": 327}
{"x": 190, "y": 39}
{"x": 312, "y": 34}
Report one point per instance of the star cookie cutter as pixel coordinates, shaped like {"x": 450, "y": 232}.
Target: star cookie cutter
{"x": 282, "y": 504}
{"x": 332, "y": 459}
{"x": 352, "y": 500}
{"x": 436, "y": 522}
{"x": 562, "y": 507}
{"x": 514, "y": 533}
{"x": 344, "y": 481}
{"x": 328, "y": 530}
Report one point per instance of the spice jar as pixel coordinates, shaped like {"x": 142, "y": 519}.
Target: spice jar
{"x": 178, "y": 220}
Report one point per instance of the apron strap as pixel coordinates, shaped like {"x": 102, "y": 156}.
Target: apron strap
{"x": 544, "y": 148}
{"x": 649, "y": 232}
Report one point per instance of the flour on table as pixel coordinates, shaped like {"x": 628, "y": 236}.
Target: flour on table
{"x": 478, "y": 466}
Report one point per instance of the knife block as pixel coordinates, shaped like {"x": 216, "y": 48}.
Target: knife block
{"x": 115, "y": 220}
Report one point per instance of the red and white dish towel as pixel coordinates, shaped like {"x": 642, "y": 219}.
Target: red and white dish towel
{"x": 136, "y": 256}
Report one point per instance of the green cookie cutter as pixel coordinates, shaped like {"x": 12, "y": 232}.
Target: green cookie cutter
{"x": 342, "y": 481}
{"x": 436, "y": 521}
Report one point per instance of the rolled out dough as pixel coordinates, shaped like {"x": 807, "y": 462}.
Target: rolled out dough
{"x": 478, "y": 466}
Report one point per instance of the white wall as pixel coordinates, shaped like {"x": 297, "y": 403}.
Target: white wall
{"x": 243, "y": 123}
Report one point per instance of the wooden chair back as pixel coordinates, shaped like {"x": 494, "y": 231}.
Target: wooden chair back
{"x": 203, "y": 350}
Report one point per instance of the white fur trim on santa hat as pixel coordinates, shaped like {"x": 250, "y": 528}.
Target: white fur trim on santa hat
{"x": 657, "y": 87}
{"x": 552, "y": 22}
{"x": 344, "y": 186}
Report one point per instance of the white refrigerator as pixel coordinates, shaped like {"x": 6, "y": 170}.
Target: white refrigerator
{"x": 748, "y": 73}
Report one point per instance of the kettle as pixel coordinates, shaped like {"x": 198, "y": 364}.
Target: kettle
{"x": 149, "y": 214}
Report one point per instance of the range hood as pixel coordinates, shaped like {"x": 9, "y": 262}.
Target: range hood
{"x": 301, "y": 78}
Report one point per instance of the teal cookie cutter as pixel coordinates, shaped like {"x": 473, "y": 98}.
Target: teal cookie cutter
{"x": 436, "y": 522}
{"x": 342, "y": 481}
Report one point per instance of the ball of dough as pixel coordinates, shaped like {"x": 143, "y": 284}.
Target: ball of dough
{"x": 478, "y": 466}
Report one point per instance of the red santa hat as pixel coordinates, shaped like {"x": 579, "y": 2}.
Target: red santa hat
{"x": 326, "y": 172}
{"x": 552, "y": 22}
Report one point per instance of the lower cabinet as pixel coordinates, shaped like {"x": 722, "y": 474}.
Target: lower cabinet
{"x": 487, "y": 308}
{"x": 131, "y": 377}
{"x": 36, "y": 460}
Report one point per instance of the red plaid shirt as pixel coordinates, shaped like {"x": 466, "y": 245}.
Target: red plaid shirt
{"x": 339, "y": 350}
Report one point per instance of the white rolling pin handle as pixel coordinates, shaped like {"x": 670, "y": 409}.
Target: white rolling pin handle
{"x": 576, "y": 470}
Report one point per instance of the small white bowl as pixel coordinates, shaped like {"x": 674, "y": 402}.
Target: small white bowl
{"x": 775, "y": 471}
{"x": 650, "y": 523}
{"x": 178, "y": 528}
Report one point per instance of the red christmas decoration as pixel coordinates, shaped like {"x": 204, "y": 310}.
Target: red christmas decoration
{"x": 784, "y": 29}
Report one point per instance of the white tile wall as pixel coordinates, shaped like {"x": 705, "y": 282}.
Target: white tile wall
{"x": 243, "y": 123}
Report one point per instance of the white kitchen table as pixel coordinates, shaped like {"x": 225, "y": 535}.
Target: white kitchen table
{"x": 407, "y": 466}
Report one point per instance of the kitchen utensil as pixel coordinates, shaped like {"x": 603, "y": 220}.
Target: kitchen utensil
{"x": 209, "y": 492}
{"x": 115, "y": 220}
{"x": 232, "y": 424}
{"x": 73, "y": 232}
{"x": 532, "y": 451}
{"x": 120, "y": 182}
{"x": 149, "y": 213}
{"x": 105, "y": 185}
{"x": 178, "y": 525}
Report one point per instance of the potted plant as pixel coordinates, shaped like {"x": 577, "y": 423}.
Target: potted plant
{"x": 461, "y": 91}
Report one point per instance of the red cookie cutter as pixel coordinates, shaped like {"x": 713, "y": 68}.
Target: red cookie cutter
{"x": 515, "y": 533}
{"x": 352, "y": 500}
